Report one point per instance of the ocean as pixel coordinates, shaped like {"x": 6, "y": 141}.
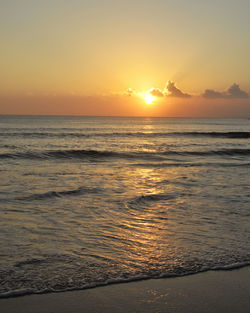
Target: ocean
{"x": 89, "y": 201}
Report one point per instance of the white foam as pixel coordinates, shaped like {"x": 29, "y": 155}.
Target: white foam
{"x": 24, "y": 292}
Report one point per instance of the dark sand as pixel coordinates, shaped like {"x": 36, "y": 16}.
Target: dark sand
{"x": 213, "y": 292}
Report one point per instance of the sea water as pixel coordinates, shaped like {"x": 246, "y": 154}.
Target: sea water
{"x": 87, "y": 201}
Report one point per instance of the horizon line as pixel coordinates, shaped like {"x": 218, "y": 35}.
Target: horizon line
{"x": 122, "y": 116}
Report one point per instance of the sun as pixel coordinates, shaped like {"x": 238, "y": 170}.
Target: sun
{"x": 149, "y": 98}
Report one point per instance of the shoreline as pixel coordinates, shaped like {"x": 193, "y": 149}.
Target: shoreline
{"x": 27, "y": 292}
{"x": 211, "y": 291}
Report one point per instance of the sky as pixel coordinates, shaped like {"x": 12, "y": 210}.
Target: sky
{"x": 139, "y": 58}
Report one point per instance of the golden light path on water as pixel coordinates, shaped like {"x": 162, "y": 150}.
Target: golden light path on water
{"x": 145, "y": 233}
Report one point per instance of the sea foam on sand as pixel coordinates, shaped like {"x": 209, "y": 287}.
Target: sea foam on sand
{"x": 210, "y": 292}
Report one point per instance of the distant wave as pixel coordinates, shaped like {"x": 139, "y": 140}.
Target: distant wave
{"x": 236, "y": 135}
{"x": 189, "y": 164}
{"x": 222, "y": 152}
{"x": 59, "y": 194}
{"x": 95, "y": 154}
{"x": 41, "y": 134}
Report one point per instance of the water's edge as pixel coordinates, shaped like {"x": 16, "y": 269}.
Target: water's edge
{"x": 28, "y": 292}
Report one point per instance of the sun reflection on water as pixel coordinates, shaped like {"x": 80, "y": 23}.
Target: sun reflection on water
{"x": 144, "y": 228}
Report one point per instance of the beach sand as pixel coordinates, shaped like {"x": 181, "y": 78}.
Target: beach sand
{"x": 208, "y": 292}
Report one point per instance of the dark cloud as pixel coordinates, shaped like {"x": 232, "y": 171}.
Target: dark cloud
{"x": 172, "y": 91}
{"x": 156, "y": 92}
{"x": 212, "y": 94}
{"x": 233, "y": 92}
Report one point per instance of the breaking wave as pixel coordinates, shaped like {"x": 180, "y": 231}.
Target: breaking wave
{"x": 118, "y": 280}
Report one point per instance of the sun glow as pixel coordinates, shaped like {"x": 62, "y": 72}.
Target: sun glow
{"x": 149, "y": 98}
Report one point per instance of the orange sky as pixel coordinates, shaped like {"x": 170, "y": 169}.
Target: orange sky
{"x": 121, "y": 105}
{"x": 81, "y": 57}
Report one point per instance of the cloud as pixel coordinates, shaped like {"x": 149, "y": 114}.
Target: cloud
{"x": 156, "y": 92}
{"x": 129, "y": 92}
{"x": 172, "y": 91}
{"x": 233, "y": 92}
{"x": 212, "y": 94}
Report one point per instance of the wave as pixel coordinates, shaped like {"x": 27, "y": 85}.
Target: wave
{"x": 24, "y": 292}
{"x": 189, "y": 164}
{"x": 77, "y": 154}
{"x": 222, "y": 152}
{"x": 59, "y": 194}
{"x": 58, "y": 154}
{"x": 95, "y": 154}
{"x": 152, "y": 198}
{"x": 41, "y": 134}
{"x": 232, "y": 135}
{"x": 236, "y": 135}
{"x": 230, "y": 152}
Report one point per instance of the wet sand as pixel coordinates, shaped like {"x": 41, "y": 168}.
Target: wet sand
{"x": 209, "y": 292}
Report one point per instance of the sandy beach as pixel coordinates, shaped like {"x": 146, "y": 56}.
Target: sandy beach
{"x": 209, "y": 292}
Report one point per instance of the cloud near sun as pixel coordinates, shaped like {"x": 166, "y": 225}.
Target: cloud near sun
{"x": 170, "y": 90}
